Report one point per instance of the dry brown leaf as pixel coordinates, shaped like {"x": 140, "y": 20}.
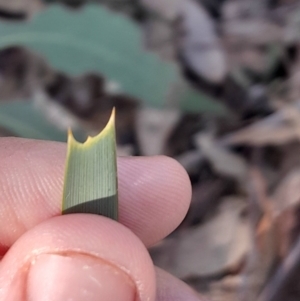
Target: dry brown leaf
{"x": 213, "y": 248}
{"x": 285, "y": 223}
{"x": 277, "y": 129}
{"x": 254, "y": 31}
{"x": 200, "y": 44}
{"x": 287, "y": 194}
{"x": 225, "y": 289}
{"x": 264, "y": 251}
{"x": 27, "y": 6}
{"x": 169, "y": 9}
{"x": 223, "y": 161}
{"x": 286, "y": 200}
{"x": 153, "y": 128}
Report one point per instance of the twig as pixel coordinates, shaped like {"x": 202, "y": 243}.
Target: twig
{"x": 274, "y": 288}
{"x": 264, "y": 252}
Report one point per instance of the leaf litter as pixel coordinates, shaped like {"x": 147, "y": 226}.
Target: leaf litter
{"x": 240, "y": 239}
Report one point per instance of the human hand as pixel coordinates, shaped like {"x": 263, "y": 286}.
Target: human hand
{"x": 48, "y": 257}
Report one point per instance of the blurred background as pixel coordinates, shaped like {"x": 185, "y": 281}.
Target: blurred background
{"x": 214, "y": 84}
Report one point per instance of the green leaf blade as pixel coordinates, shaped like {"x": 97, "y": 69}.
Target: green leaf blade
{"x": 91, "y": 175}
{"x": 24, "y": 120}
{"x": 94, "y": 39}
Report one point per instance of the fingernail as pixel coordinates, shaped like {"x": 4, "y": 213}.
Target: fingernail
{"x": 77, "y": 278}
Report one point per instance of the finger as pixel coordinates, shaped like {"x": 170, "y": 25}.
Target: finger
{"x": 154, "y": 192}
{"x": 170, "y": 288}
{"x": 77, "y": 257}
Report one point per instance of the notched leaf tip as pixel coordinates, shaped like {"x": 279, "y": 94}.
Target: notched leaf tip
{"x": 90, "y": 184}
{"x": 91, "y": 140}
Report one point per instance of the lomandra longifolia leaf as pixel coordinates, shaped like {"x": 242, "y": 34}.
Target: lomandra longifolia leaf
{"x": 90, "y": 184}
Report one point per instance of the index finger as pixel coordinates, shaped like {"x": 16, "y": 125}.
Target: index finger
{"x": 154, "y": 193}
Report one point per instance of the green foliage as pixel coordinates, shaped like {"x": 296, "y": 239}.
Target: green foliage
{"x": 96, "y": 39}
{"x": 25, "y": 120}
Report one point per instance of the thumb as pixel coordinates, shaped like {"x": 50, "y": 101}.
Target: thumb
{"x": 77, "y": 257}
{"x": 77, "y": 277}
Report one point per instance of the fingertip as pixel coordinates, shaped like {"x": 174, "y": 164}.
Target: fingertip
{"x": 179, "y": 179}
{"x": 158, "y": 190}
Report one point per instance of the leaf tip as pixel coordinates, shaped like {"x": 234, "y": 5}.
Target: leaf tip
{"x": 70, "y": 135}
{"x": 110, "y": 126}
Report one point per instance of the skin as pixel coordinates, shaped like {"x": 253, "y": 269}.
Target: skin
{"x": 46, "y": 256}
